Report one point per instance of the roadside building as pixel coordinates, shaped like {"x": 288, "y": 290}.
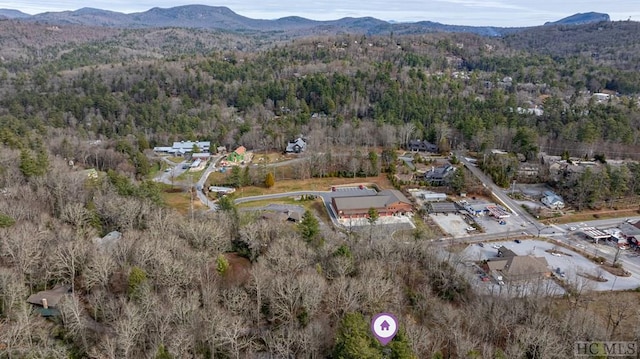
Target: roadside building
{"x": 595, "y": 234}
{"x": 442, "y": 207}
{"x": 519, "y": 268}
{"x": 388, "y": 202}
{"x": 552, "y": 200}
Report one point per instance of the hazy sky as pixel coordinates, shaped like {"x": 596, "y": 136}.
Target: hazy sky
{"x": 457, "y": 12}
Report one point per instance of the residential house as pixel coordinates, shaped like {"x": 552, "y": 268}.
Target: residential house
{"x": 437, "y": 176}
{"x": 296, "y": 146}
{"x": 552, "y": 200}
{"x": 388, "y": 202}
{"x": 422, "y": 146}
{"x": 517, "y": 268}
{"x": 47, "y": 302}
{"x": 528, "y": 170}
{"x": 109, "y": 241}
{"x": 237, "y": 155}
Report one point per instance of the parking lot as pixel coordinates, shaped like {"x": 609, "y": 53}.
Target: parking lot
{"x": 456, "y": 225}
{"x": 573, "y": 266}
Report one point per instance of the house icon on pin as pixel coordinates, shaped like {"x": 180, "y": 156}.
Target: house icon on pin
{"x": 384, "y": 325}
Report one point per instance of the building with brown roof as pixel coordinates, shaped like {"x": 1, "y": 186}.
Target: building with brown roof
{"x": 237, "y": 155}
{"x": 48, "y": 301}
{"x": 516, "y": 268}
{"x": 388, "y": 202}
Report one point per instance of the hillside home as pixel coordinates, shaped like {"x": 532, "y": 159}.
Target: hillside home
{"x": 296, "y": 146}
{"x": 47, "y": 302}
{"x": 422, "y": 146}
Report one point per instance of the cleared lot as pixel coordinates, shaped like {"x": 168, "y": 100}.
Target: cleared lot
{"x": 451, "y": 223}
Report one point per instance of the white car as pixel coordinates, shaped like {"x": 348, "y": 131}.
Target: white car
{"x": 572, "y": 228}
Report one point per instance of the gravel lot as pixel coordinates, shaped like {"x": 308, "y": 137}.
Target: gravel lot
{"x": 451, "y": 223}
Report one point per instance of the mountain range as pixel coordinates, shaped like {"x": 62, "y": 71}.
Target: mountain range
{"x": 223, "y": 18}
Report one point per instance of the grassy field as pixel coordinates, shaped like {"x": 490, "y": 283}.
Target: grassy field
{"x": 180, "y": 201}
{"x": 313, "y": 184}
{"x": 267, "y": 158}
{"x": 195, "y": 176}
{"x": 175, "y": 159}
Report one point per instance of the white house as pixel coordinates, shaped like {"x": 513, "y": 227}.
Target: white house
{"x": 552, "y": 200}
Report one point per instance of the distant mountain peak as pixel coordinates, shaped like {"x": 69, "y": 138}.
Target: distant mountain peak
{"x": 13, "y": 14}
{"x": 582, "y": 18}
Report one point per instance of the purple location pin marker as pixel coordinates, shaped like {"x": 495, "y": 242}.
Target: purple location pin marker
{"x": 384, "y": 327}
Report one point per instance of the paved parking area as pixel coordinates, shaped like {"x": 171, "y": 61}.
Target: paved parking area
{"x": 571, "y": 265}
{"x": 492, "y": 225}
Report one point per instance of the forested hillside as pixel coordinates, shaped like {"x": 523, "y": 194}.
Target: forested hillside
{"x": 229, "y": 284}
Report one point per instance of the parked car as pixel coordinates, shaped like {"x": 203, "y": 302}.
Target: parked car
{"x": 518, "y": 241}
{"x": 333, "y": 189}
{"x": 361, "y": 186}
{"x": 481, "y": 244}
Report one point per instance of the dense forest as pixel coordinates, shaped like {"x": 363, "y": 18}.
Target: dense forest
{"x": 229, "y": 284}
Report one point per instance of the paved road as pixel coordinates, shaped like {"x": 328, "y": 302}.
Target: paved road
{"x": 531, "y": 223}
{"x": 175, "y": 170}
{"x": 201, "y": 183}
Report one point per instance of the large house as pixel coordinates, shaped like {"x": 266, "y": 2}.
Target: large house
{"x": 183, "y": 147}
{"x": 437, "y": 176}
{"x": 388, "y": 202}
{"x": 511, "y": 267}
{"x": 422, "y": 146}
{"x": 296, "y": 146}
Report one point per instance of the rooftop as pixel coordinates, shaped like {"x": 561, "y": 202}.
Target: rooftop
{"x": 380, "y": 200}
{"x": 519, "y": 266}
{"x": 52, "y": 296}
